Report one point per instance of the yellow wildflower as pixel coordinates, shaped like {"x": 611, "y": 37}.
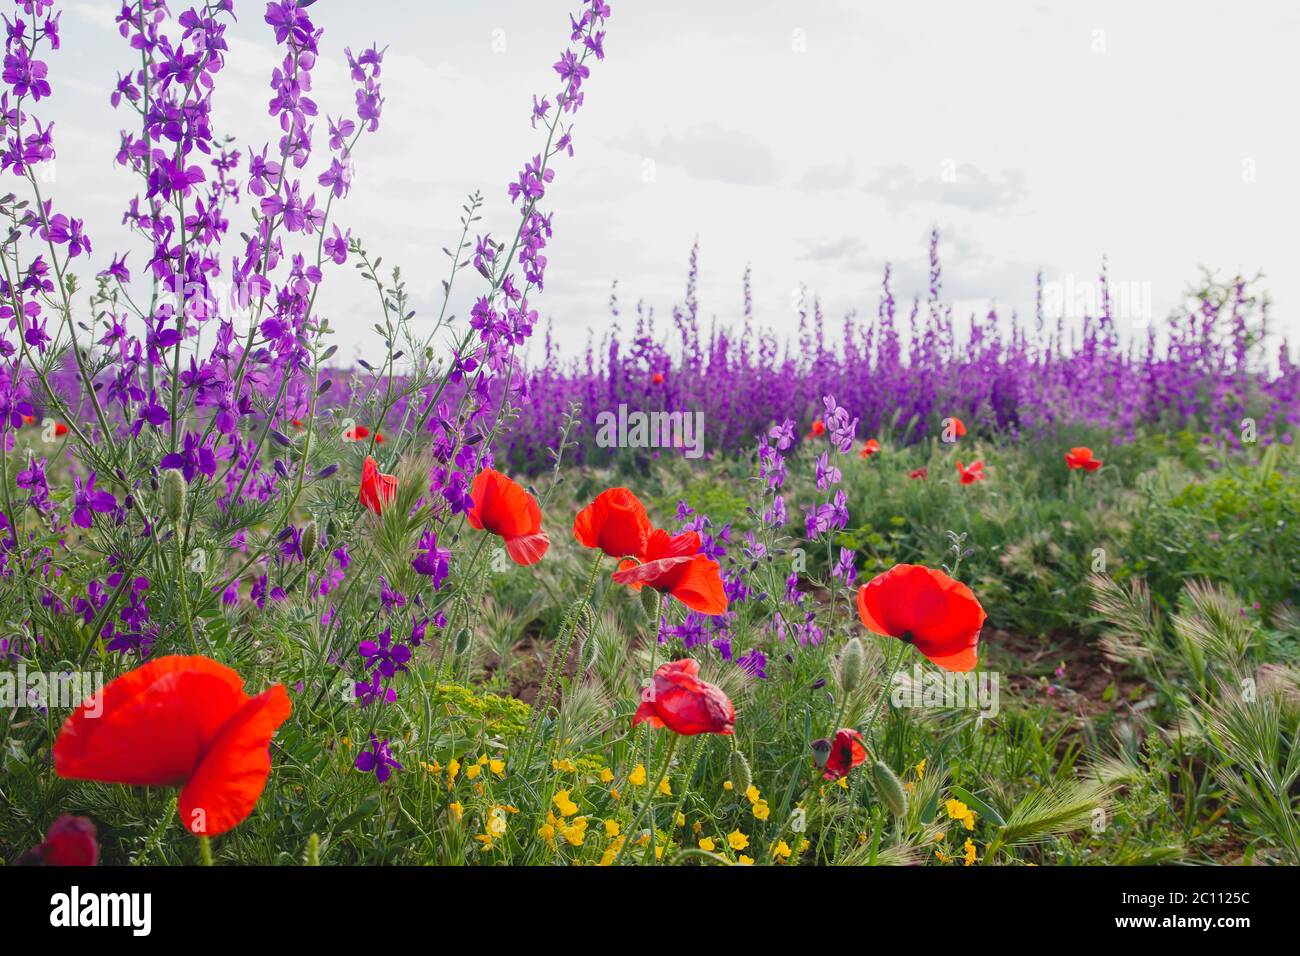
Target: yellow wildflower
{"x": 761, "y": 810}
{"x": 920, "y": 770}
{"x": 611, "y": 852}
{"x": 498, "y": 767}
{"x": 664, "y": 788}
{"x": 457, "y": 810}
{"x": 782, "y": 850}
{"x": 547, "y": 830}
{"x": 681, "y": 819}
{"x": 959, "y": 811}
{"x": 969, "y": 847}
{"x": 727, "y": 785}
{"x": 453, "y": 771}
{"x": 707, "y": 844}
{"x": 737, "y": 840}
{"x": 753, "y": 794}
{"x": 472, "y": 771}
{"x": 562, "y": 803}
{"x": 611, "y": 828}
{"x": 575, "y": 832}
{"x": 564, "y": 766}
{"x": 606, "y": 775}
{"x": 638, "y": 776}
{"x": 746, "y": 860}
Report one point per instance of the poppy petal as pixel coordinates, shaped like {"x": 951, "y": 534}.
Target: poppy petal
{"x": 616, "y": 522}
{"x": 227, "y": 784}
{"x": 151, "y": 726}
{"x": 527, "y": 549}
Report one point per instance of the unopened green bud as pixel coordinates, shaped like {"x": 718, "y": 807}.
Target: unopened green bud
{"x": 741, "y": 778}
{"x": 853, "y": 660}
{"x": 312, "y": 855}
{"x": 310, "y": 537}
{"x": 173, "y": 494}
{"x": 650, "y": 602}
{"x": 462, "y": 640}
{"x": 889, "y": 788}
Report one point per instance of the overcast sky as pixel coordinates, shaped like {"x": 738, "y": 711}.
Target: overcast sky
{"x": 812, "y": 139}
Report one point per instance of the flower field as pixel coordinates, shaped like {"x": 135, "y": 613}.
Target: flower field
{"x": 702, "y": 595}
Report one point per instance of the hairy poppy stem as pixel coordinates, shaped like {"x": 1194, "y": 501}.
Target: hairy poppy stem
{"x": 205, "y": 850}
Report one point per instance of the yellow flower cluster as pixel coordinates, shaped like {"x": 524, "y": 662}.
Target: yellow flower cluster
{"x": 959, "y": 811}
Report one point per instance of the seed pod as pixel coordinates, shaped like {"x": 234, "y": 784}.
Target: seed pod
{"x": 853, "y": 660}
{"x": 741, "y": 778}
{"x": 310, "y": 538}
{"x": 889, "y": 788}
{"x": 173, "y": 494}
{"x": 462, "y": 640}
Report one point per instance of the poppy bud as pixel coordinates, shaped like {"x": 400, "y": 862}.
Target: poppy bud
{"x": 312, "y": 856}
{"x": 649, "y": 601}
{"x": 819, "y": 683}
{"x": 310, "y": 536}
{"x": 173, "y": 493}
{"x": 852, "y": 661}
{"x": 588, "y": 652}
{"x": 821, "y": 751}
{"x": 462, "y": 640}
{"x": 890, "y": 789}
{"x": 741, "y": 778}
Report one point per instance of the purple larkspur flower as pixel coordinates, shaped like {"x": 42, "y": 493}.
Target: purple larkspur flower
{"x": 378, "y": 759}
{"x": 87, "y": 501}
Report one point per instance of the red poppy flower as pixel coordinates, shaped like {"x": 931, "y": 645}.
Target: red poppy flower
{"x": 847, "y": 751}
{"x": 356, "y": 433}
{"x": 616, "y": 522}
{"x": 870, "y": 448}
{"x": 297, "y": 423}
{"x": 657, "y": 378}
{"x": 70, "y": 841}
{"x": 504, "y": 508}
{"x": 818, "y": 428}
{"x": 379, "y": 438}
{"x": 60, "y": 429}
{"x": 940, "y": 617}
{"x": 29, "y": 419}
{"x": 675, "y": 566}
{"x": 679, "y": 700}
{"x": 921, "y": 472}
{"x": 974, "y": 473}
{"x": 1082, "y": 458}
{"x": 178, "y": 721}
{"x": 377, "y": 489}
{"x": 958, "y": 426}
